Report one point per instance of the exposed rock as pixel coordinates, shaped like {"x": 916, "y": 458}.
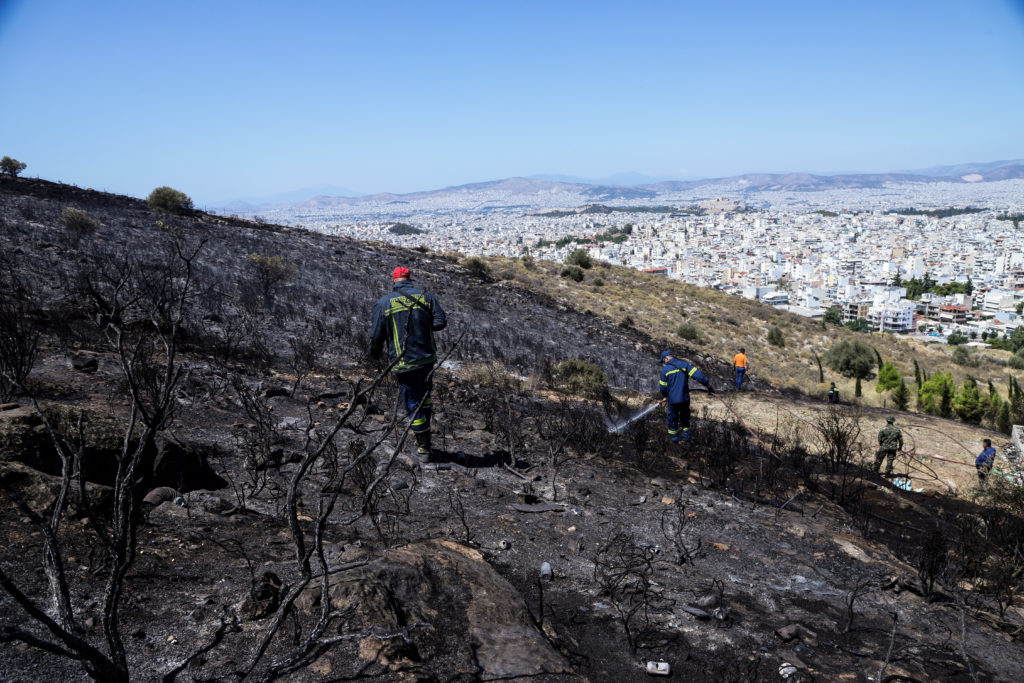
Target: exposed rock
{"x": 85, "y": 361}
{"x": 425, "y": 594}
{"x": 264, "y": 600}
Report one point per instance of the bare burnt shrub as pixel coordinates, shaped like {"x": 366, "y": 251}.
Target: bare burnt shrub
{"x": 503, "y": 416}
{"x": 19, "y": 334}
{"x": 673, "y": 523}
{"x": 257, "y": 439}
{"x": 255, "y": 349}
{"x": 387, "y": 505}
{"x": 649, "y": 444}
{"x": 1004, "y": 567}
{"x": 623, "y": 571}
{"x": 838, "y": 442}
{"x": 863, "y": 584}
{"x": 931, "y": 561}
{"x": 458, "y": 511}
{"x": 140, "y": 318}
{"x": 721, "y": 449}
{"x": 306, "y": 349}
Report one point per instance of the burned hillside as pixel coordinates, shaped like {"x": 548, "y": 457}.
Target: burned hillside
{"x": 206, "y": 478}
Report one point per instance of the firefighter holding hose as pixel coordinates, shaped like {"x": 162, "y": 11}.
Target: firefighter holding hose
{"x": 674, "y": 383}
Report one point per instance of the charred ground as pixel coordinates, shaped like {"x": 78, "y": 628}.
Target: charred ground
{"x": 285, "y": 534}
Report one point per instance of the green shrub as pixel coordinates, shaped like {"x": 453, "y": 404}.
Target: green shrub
{"x": 955, "y": 339}
{"x": 850, "y": 358}
{"x": 270, "y": 272}
{"x": 961, "y": 356}
{"x": 689, "y": 331}
{"x": 580, "y": 377}
{"x": 775, "y": 338}
{"x": 1016, "y": 362}
{"x": 598, "y": 282}
{"x": 168, "y": 200}
{"x": 477, "y": 266}
{"x": 573, "y": 273}
{"x": 78, "y": 223}
{"x": 833, "y": 315}
{"x": 12, "y": 167}
{"x": 859, "y": 325}
{"x": 579, "y": 257}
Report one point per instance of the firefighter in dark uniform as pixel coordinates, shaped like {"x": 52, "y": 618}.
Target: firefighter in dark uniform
{"x": 405, "y": 321}
{"x": 675, "y": 387}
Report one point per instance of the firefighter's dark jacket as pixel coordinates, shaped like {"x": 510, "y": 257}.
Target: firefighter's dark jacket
{"x": 675, "y": 380}
{"x": 405, "y": 320}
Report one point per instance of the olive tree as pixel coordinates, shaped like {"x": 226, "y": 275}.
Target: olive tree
{"x": 166, "y": 199}
{"x": 851, "y": 358}
{"x": 12, "y": 167}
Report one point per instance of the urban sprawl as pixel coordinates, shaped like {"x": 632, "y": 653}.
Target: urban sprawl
{"x": 852, "y": 251}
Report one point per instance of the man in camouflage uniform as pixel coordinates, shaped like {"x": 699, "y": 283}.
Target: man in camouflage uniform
{"x": 890, "y": 440}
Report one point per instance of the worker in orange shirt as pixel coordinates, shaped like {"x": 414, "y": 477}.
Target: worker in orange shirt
{"x": 739, "y": 362}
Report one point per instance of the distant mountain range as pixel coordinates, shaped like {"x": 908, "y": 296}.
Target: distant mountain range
{"x": 288, "y": 198}
{"x": 635, "y": 186}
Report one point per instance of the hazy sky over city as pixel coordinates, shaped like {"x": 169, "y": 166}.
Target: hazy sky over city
{"x": 230, "y": 99}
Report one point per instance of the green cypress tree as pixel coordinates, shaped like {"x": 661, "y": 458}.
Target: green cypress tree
{"x": 917, "y": 374}
{"x": 1003, "y": 418}
{"x": 856, "y": 388}
{"x": 878, "y": 356}
{"x": 946, "y": 402}
{"x": 968, "y": 404}
{"x": 995, "y": 406}
{"x": 901, "y": 396}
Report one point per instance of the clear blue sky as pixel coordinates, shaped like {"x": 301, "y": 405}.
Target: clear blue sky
{"x": 226, "y": 99}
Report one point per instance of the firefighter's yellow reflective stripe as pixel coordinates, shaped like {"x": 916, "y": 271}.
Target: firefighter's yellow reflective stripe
{"x": 401, "y": 304}
{"x": 420, "y": 422}
{"x": 673, "y": 431}
{"x": 402, "y": 366}
{"x": 399, "y": 351}
{"x": 692, "y": 370}
{"x": 663, "y": 383}
{"x": 671, "y": 372}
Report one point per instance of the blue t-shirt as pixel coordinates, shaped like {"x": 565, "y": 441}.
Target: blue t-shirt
{"x": 986, "y": 458}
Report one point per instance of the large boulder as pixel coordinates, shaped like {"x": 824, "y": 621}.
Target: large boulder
{"x": 438, "y": 603}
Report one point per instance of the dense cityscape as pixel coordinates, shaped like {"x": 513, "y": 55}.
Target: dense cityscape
{"x": 849, "y": 250}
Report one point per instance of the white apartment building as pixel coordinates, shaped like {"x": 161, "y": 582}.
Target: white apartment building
{"x": 892, "y": 317}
